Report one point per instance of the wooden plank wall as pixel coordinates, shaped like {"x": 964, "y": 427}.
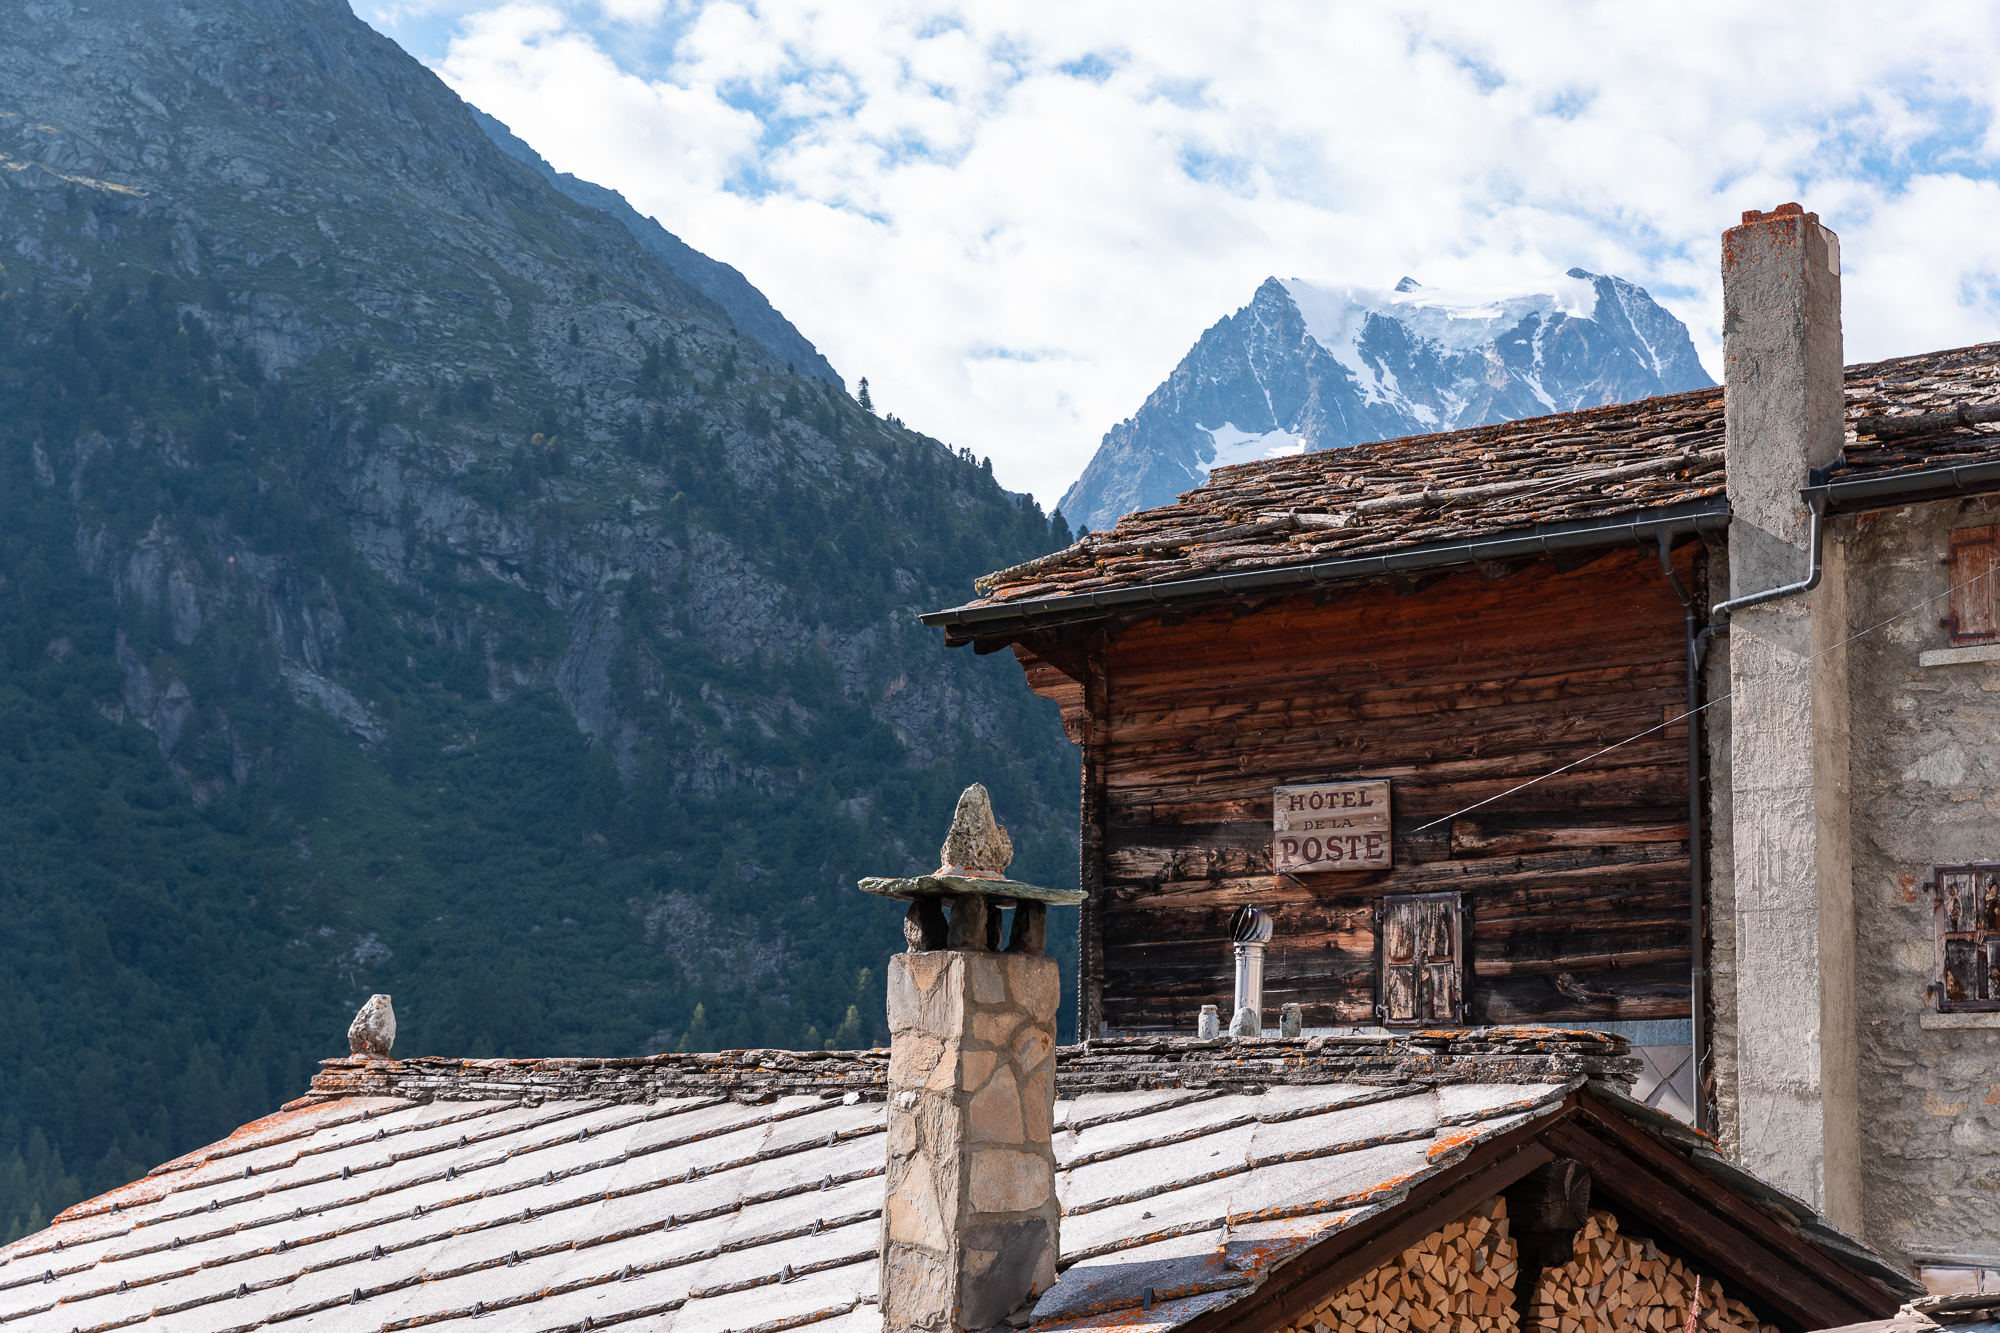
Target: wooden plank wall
{"x": 1576, "y": 888}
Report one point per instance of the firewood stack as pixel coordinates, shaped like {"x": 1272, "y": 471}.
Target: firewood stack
{"x": 1614, "y": 1284}
{"x": 1458, "y": 1280}
{"x": 1461, "y": 1280}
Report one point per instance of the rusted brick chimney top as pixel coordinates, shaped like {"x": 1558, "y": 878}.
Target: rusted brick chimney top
{"x": 1751, "y": 215}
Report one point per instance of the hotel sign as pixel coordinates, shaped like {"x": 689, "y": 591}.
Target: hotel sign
{"x": 1330, "y": 826}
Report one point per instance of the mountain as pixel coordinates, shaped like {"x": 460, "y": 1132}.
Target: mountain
{"x": 410, "y": 582}
{"x": 746, "y": 307}
{"x": 1304, "y": 368}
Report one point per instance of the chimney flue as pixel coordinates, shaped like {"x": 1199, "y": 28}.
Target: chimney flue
{"x": 1796, "y": 1078}
{"x": 1250, "y": 929}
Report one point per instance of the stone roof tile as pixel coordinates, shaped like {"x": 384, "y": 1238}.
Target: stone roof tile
{"x": 738, "y": 1194}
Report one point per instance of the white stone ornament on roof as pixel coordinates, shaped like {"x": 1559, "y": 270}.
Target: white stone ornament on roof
{"x": 373, "y": 1031}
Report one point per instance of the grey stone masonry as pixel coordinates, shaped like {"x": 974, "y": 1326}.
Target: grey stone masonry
{"x": 1791, "y": 1089}
{"x": 969, "y": 1224}
{"x": 1115, "y": 1064}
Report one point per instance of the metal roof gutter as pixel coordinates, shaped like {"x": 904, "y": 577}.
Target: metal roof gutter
{"x": 1930, "y": 483}
{"x": 1544, "y": 539}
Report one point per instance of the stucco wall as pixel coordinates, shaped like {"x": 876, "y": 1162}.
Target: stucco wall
{"x": 1719, "y": 920}
{"x": 1925, "y": 772}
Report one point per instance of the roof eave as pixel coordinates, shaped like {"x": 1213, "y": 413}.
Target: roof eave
{"x": 1905, "y": 487}
{"x": 962, "y": 624}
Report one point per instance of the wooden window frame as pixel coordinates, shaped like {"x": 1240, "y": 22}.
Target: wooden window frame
{"x": 1978, "y": 936}
{"x": 1974, "y": 578}
{"x": 1459, "y": 934}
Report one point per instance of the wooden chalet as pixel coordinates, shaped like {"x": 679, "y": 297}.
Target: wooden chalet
{"x": 1451, "y": 615}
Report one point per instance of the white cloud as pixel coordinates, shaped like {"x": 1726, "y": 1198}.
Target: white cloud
{"x": 1015, "y": 219}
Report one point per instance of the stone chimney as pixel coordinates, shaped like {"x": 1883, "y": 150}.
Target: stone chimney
{"x": 970, "y": 1222}
{"x": 1793, "y": 1116}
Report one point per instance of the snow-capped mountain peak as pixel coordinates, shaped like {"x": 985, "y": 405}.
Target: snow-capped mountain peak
{"x": 1308, "y": 366}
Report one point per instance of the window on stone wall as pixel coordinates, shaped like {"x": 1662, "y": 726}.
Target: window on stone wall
{"x": 1968, "y": 936}
{"x": 1420, "y": 960}
{"x": 1975, "y": 585}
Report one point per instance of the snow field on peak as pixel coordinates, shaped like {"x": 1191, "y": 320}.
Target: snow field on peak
{"x": 1233, "y": 446}
{"x": 1456, "y": 318}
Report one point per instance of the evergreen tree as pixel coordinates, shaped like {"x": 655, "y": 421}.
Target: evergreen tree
{"x": 867, "y": 403}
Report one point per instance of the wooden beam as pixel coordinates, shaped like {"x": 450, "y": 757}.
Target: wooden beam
{"x": 1310, "y": 1278}
{"x": 1054, "y": 648}
{"x": 1650, "y": 1185}
{"x": 1090, "y": 842}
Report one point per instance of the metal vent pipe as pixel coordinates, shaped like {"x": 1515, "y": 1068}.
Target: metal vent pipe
{"x": 1250, "y": 930}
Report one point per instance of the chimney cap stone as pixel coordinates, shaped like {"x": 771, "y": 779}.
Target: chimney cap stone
{"x": 975, "y": 856}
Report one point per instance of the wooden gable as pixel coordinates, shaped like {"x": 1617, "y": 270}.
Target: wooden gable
{"x": 1453, "y": 688}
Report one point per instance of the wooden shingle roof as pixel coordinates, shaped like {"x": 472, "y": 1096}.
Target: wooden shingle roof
{"x": 1655, "y": 457}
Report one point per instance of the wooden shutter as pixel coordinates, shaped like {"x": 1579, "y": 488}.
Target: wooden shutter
{"x": 1975, "y": 585}
{"x": 1398, "y": 937}
{"x": 1421, "y": 966}
{"x": 1968, "y": 936}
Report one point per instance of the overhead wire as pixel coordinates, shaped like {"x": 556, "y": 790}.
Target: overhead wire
{"x": 1792, "y": 669}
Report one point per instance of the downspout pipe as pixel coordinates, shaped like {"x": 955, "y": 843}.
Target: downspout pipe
{"x": 1698, "y": 976}
{"x": 1814, "y": 540}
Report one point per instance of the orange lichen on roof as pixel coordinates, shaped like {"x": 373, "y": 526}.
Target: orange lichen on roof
{"x": 1449, "y": 1142}
{"x": 280, "y": 1126}
{"x": 1164, "y": 1315}
{"x": 272, "y": 1129}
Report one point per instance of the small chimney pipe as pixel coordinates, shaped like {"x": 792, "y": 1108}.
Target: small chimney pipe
{"x": 1250, "y": 930}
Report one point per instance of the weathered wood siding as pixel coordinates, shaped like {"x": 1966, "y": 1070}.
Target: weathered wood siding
{"x": 1576, "y": 888}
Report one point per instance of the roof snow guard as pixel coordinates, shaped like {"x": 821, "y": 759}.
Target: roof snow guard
{"x": 743, "y": 1191}
{"x": 1595, "y": 478}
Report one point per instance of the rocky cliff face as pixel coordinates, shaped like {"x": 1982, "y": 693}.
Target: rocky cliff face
{"x": 508, "y": 624}
{"x": 1304, "y": 368}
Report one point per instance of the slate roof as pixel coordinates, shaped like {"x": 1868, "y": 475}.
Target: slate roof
{"x": 735, "y": 1192}
{"x": 1655, "y": 457}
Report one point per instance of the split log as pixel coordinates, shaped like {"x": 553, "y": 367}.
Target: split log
{"x": 1461, "y": 1279}
{"x": 1456, "y": 1280}
{"x": 1615, "y": 1284}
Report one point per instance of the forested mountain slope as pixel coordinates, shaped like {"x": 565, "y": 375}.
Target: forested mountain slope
{"x": 748, "y": 309}
{"x": 408, "y": 583}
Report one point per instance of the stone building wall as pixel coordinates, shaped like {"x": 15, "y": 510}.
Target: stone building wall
{"x": 1925, "y": 786}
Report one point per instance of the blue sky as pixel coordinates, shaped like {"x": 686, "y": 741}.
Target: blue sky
{"x": 1015, "y": 219}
